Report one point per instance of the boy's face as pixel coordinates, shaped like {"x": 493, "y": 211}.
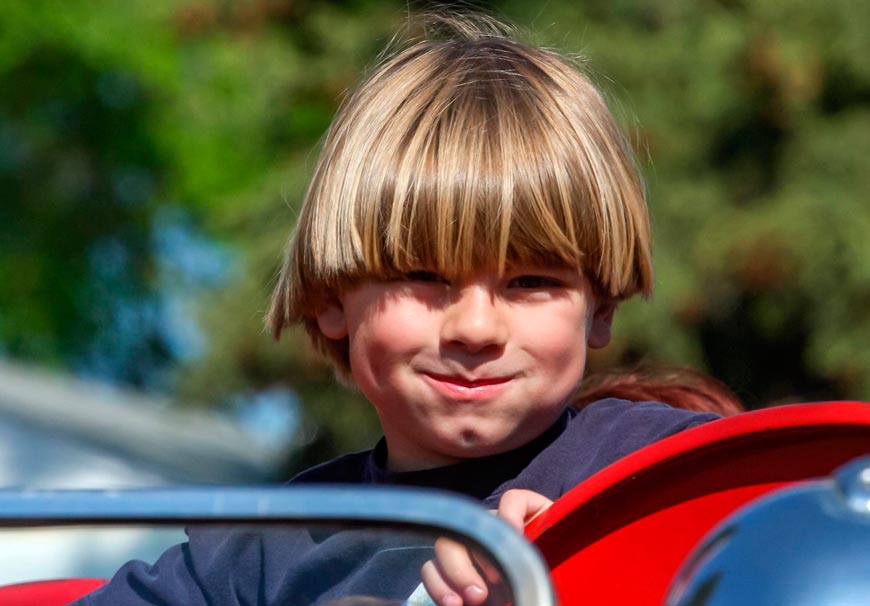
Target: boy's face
{"x": 467, "y": 367}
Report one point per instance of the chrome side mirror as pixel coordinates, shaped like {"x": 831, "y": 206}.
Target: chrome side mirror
{"x": 407, "y": 513}
{"x": 806, "y": 544}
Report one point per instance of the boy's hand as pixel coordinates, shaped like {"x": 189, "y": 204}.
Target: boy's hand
{"x": 457, "y": 577}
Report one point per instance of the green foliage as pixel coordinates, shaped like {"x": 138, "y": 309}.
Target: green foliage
{"x": 81, "y": 171}
{"x": 751, "y": 118}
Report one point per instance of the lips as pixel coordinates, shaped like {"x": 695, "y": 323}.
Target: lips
{"x": 467, "y": 389}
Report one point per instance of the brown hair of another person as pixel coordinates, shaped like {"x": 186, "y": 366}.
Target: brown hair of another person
{"x": 677, "y": 386}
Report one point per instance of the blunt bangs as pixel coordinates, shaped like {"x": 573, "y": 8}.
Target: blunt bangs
{"x": 476, "y": 183}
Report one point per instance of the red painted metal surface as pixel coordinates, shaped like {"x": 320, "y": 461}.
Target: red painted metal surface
{"x": 619, "y": 537}
{"x": 47, "y": 593}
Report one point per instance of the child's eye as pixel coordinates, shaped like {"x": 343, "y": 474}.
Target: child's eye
{"x": 532, "y": 281}
{"x": 424, "y": 276}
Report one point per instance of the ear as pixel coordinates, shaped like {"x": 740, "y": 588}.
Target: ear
{"x": 602, "y": 320}
{"x": 331, "y": 321}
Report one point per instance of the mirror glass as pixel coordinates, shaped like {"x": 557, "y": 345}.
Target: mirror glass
{"x": 311, "y": 563}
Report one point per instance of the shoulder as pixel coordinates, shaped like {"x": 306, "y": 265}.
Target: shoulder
{"x": 596, "y": 436}
{"x": 611, "y": 409}
{"x": 350, "y": 468}
{"x": 627, "y": 426}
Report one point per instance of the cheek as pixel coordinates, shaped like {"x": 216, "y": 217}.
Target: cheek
{"x": 559, "y": 341}
{"x": 385, "y": 335}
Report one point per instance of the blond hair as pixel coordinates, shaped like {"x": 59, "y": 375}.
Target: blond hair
{"x": 470, "y": 151}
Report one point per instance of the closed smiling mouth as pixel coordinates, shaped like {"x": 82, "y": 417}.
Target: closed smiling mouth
{"x": 464, "y": 387}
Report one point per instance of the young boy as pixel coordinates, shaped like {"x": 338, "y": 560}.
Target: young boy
{"x": 473, "y": 220}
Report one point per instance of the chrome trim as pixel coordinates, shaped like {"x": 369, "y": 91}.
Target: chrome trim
{"x": 853, "y": 482}
{"x": 807, "y": 543}
{"x": 436, "y": 511}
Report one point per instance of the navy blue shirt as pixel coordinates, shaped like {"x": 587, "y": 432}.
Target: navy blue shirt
{"x": 235, "y": 567}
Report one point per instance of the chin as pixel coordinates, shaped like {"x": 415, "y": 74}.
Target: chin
{"x": 481, "y": 446}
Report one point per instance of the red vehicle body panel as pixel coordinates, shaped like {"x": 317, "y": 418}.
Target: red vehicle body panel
{"x": 47, "y": 593}
{"x": 619, "y": 537}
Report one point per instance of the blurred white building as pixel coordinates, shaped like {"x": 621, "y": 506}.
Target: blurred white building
{"x": 59, "y": 432}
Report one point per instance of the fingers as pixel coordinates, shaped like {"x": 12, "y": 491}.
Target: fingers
{"x": 437, "y": 588}
{"x": 519, "y": 506}
{"x": 452, "y": 579}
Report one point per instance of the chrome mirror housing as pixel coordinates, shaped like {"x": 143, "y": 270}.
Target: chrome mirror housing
{"x": 807, "y": 544}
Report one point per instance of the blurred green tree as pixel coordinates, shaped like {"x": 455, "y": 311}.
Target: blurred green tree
{"x": 81, "y": 171}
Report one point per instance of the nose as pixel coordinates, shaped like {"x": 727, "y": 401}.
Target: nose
{"x": 474, "y": 319}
